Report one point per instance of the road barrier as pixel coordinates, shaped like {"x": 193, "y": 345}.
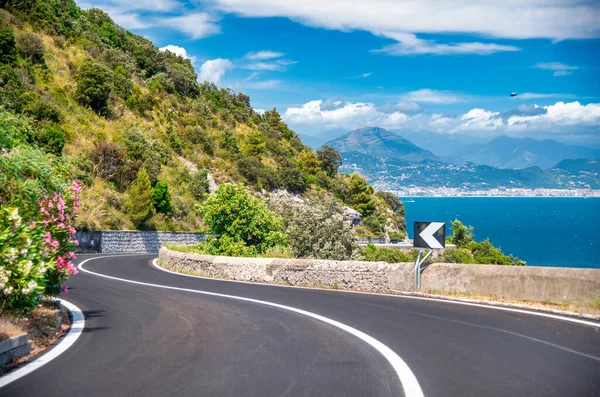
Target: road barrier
{"x": 519, "y": 282}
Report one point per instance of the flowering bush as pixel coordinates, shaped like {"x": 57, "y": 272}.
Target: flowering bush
{"x": 37, "y": 256}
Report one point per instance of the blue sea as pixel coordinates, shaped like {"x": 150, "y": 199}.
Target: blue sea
{"x": 562, "y": 232}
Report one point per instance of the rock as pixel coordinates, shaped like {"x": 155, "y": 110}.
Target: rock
{"x": 352, "y": 217}
{"x": 287, "y": 196}
{"x": 212, "y": 185}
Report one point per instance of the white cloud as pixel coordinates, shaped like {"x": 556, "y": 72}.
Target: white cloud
{"x": 195, "y": 25}
{"x": 479, "y": 119}
{"x": 343, "y": 115}
{"x": 214, "y": 69}
{"x": 263, "y": 55}
{"x": 179, "y": 51}
{"x": 271, "y": 66}
{"x": 409, "y": 44}
{"x": 561, "y": 114}
{"x": 264, "y": 85}
{"x": 427, "y": 95}
{"x": 560, "y": 69}
{"x": 401, "y": 20}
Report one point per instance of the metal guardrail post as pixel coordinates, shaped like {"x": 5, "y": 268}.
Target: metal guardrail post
{"x": 418, "y": 268}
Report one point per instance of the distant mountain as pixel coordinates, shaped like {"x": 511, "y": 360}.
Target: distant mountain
{"x": 579, "y": 165}
{"x": 382, "y": 144}
{"x": 443, "y": 145}
{"x": 316, "y": 141}
{"x": 517, "y": 153}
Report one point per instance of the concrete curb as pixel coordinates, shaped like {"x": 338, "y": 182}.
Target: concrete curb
{"x": 77, "y": 326}
{"x": 408, "y": 294}
{"x": 15, "y": 347}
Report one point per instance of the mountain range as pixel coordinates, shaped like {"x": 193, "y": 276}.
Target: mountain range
{"x": 517, "y": 153}
{"x": 380, "y": 143}
{"x": 414, "y": 146}
{"x": 392, "y": 161}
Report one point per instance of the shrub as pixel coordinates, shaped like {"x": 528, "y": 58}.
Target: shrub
{"x": 199, "y": 184}
{"x": 359, "y": 195}
{"x": 462, "y": 235}
{"x": 30, "y": 46}
{"x": 51, "y": 138}
{"x": 27, "y": 175}
{"x": 41, "y": 109}
{"x": 139, "y": 200}
{"x": 375, "y": 222}
{"x": 378, "y": 254}
{"x": 330, "y": 160}
{"x": 233, "y": 213}
{"x": 94, "y": 86}
{"x": 122, "y": 83}
{"x": 457, "y": 255}
{"x": 317, "y": 229}
{"x": 291, "y": 178}
{"x": 161, "y": 197}
{"x": 8, "y": 48}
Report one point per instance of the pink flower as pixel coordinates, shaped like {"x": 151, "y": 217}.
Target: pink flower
{"x": 76, "y": 243}
{"x": 48, "y": 238}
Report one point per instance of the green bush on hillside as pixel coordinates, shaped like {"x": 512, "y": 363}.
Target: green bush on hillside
{"x": 161, "y": 197}
{"x": 316, "y": 229}
{"x": 94, "y": 86}
{"x": 139, "y": 199}
{"x": 236, "y": 217}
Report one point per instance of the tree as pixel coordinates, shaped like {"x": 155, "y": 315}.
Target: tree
{"x": 359, "y": 195}
{"x": 8, "y": 49}
{"x": 291, "y": 178}
{"x": 161, "y": 197}
{"x": 139, "y": 201}
{"x": 234, "y": 214}
{"x": 29, "y": 45}
{"x": 199, "y": 184}
{"x": 462, "y": 235}
{"x": 330, "y": 160}
{"x": 94, "y": 86}
{"x": 122, "y": 82}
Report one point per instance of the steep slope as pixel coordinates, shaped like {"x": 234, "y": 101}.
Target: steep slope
{"x": 380, "y": 143}
{"x": 111, "y": 103}
{"x": 516, "y": 153}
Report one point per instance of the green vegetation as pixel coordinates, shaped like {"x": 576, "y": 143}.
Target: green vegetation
{"x": 110, "y": 103}
{"x": 140, "y": 199}
{"x": 240, "y": 224}
{"x": 470, "y": 251}
{"x": 378, "y": 254}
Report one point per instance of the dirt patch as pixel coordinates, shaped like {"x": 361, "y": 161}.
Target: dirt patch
{"x": 41, "y": 327}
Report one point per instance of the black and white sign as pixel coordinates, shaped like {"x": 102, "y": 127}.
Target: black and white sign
{"x": 430, "y": 235}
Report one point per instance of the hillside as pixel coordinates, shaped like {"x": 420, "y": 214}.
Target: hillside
{"x": 380, "y": 143}
{"x": 580, "y": 165}
{"x": 84, "y": 91}
{"x": 517, "y": 153}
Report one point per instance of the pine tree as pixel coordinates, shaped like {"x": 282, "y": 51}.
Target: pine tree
{"x": 139, "y": 202}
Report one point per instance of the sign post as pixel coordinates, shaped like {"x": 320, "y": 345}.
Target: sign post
{"x": 428, "y": 235}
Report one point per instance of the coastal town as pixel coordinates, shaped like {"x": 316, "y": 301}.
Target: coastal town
{"x": 415, "y": 191}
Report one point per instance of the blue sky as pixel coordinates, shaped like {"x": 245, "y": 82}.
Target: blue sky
{"x": 330, "y": 65}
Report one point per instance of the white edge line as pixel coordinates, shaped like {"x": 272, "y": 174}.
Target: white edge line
{"x": 455, "y": 302}
{"x": 409, "y": 382}
{"x": 77, "y": 326}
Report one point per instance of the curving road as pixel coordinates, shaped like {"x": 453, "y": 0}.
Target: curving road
{"x": 143, "y": 340}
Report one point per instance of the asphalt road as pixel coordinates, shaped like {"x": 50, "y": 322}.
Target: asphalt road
{"x": 142, "y": 340}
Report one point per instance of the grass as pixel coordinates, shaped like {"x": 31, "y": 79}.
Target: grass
{"x": 9, "y": 328}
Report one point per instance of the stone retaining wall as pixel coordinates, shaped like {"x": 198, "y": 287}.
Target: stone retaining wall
{"x": 121, "y": 241}
{"x": 520, "y": 282}
{"x": 351, "y": 275}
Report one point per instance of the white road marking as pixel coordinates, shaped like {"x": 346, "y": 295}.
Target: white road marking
{"x": 77, "y": 326}
{"x": 409, "y": 382}
{"x": 454, "y": 302}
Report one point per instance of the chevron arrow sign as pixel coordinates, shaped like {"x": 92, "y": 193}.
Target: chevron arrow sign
{"x": 430, "y": 235}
